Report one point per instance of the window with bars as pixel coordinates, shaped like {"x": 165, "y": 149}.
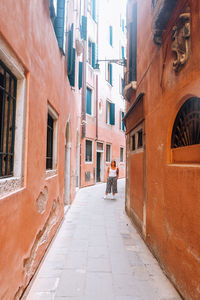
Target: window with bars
{"x": 108, "y": 153}
{"x": 88, "y": 151}
{"x": 8, "y": 88}
{"x": 49, "y": 156}
{"x": 186, "y": 129}
{"x": 137, "y": 140}
{"x": 140, "y": 139}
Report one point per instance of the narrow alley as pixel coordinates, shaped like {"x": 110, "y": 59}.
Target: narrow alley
{"x": 98, "y": 255}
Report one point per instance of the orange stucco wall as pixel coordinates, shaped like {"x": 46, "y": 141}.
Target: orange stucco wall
{"x": 24, "y": 232}
{"x": 172, "y": 189}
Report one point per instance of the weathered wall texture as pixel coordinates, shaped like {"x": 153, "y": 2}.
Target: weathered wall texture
{"x": 29, "y": 216}
{"x": 172, "y": 190}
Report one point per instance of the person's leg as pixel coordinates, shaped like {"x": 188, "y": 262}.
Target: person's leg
{"x": 108, "y": 188}
{"x": 114, "y": 187}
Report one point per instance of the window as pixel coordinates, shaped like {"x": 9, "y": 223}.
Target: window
{"x": 123, "y": 52}
{"x": 49, "y": 158}
{"x": 133, "y": 143}
{"x": 140, "y": 139}
{"x": 57, "y": 14}
{"x": 8, "y": 88}
{"x": 90, "y": 52}
{"x": 88, "y": 101}
{"x": 110, "y": 113}
{"x": 121, "y": 116}
{"x": 186, "y": 130}
{"x": 92, "y": 9}
{"x": 71, "y": 57}
{"x": 123, "y": 25}
{"x": 109, "y": 73}
{"x": 108, "y": 153}
{"x": 88, "y": 151}
{"x": 137, "y": 139}
{"x": 133, "y": 46}
{"x": 121, "y": 154}
{"x": 51, "y": 150}
{"x": 111, "y": 35}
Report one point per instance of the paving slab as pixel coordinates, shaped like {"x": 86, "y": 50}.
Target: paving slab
{"x": 97, "y": 254}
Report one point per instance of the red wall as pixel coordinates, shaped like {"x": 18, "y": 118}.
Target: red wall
{"x": 172, "y": 189}
{"x": 24, "y": 233}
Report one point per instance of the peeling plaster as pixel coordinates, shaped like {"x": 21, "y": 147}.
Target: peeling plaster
{"x": 41, "y": 238}
{"x": 41, "y": 201}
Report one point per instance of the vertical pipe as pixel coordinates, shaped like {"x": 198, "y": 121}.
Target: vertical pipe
{"x": 97, "y": 107}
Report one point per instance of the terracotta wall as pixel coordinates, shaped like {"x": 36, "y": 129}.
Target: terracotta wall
{"x": 172, "y": 189}
{"x": 24, "y": 231}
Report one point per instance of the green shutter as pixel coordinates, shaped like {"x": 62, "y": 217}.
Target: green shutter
{"x": 70, "y": 50}
{"x": 94, "y": 54}
{"x": 88, "y": 101}
{"x": 111, "y": 75}
{"x": 72, "y": 75}
{"x": 122, "y": 52}
{"x": 112, "y": 113}
{"x": 84, "y": 28}
{"x": 80, "y": 78}
{"x": 94, "y": 16}
{"x": 111, "y": 35}
{"x": 123, "y": 125}
{"x": 60, "y": 23}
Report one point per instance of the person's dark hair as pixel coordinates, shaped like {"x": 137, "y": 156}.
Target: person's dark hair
{"x": 114, "y": 163}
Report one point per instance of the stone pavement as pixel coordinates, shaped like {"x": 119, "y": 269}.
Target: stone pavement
{"x": 98, "y": 255}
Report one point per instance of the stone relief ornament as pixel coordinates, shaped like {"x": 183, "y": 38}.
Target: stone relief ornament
{"x": 181, "y": 41}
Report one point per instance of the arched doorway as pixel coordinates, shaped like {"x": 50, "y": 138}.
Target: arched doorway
{"x": 67, "y": 163}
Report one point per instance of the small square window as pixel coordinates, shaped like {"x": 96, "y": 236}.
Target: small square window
{"x": 88, "y": 151}
{"x": 121, "y": 154}
{"x": 140, "y": 139}
{"x": 133, "y": 143}
{"x": 108, "y": 153}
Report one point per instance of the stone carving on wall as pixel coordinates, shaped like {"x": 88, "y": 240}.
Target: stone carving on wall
{"x": 181, "y": 41}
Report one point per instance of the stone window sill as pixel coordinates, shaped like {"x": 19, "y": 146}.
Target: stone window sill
{"x": 51, "y": 173}
{"x": 9, "y": 185}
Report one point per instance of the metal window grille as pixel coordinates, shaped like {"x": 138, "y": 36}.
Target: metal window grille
{"x": 108, "y": 153}
{"x": 88, "y": 151}
{"x": 8, "y": 88}
{"x": 186, "y": 130}
{"x": 49, "y": 155}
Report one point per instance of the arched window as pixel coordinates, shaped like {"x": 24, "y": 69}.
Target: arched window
{"x": 186, "y": 130}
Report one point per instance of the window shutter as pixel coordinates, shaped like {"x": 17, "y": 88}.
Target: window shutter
{"x": 111, "y": 35}
{"x": 94, "y": 15}
{"x": 84, "y": 28}
{"x": 123, "y": 125}
{"x": 71, "y": 76}
{"x": 107, "y": 111}
{"x": 70, "y": 50}
{"x": 88, "y": 101}
{"x": 112, "y": 113}
{"x": 122, "y": 52}
{"x": 59, "y": 24}
{"x": 80, "y": 78}
{"x": 111, "y": 79}
{"x": 94, "y": 54}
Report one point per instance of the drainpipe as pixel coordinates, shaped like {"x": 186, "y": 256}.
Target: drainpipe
{"x": 83, "y": 100}
{"x": 97, "y": 106}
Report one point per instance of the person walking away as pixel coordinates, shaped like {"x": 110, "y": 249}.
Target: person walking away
{"x": 112, "y": 176}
